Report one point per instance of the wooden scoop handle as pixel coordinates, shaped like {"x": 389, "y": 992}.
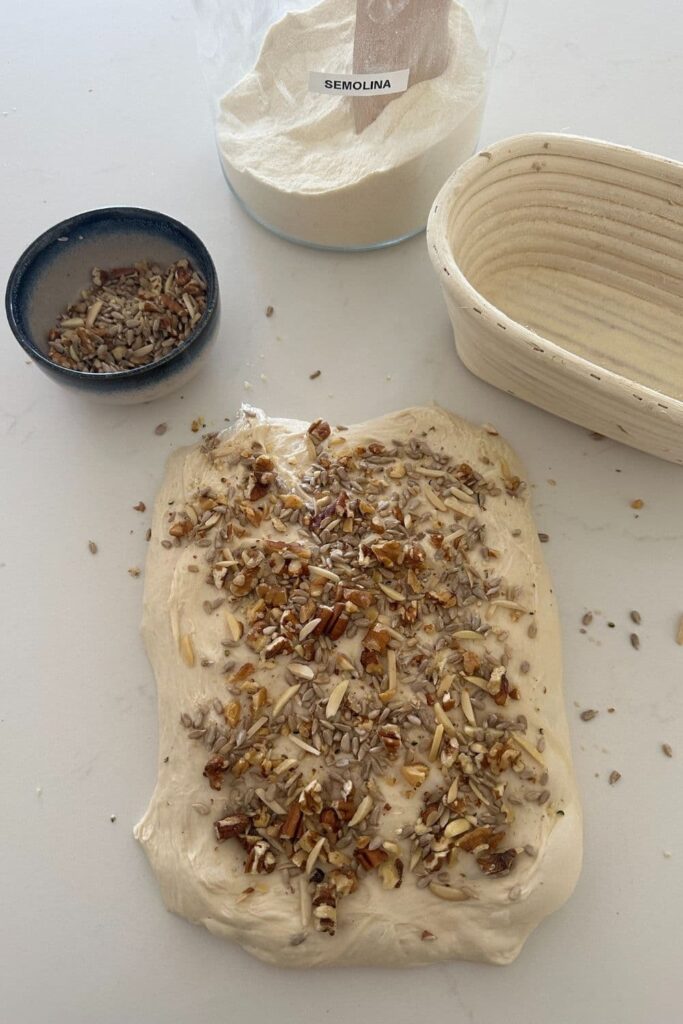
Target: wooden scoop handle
{"x": 396, "y": 34}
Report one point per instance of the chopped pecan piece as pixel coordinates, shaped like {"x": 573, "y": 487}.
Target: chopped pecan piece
{"x": 391, "y": 873}
{"x": 181, "y": 529}
{"x": 258, "y": 491}
{"x": 478, "y": 836}
{"x": 263, "y": 465}
{"x": 325, "y": 907}
{"x": 245, "y": 671}
{"x": 497, "y": 863}
{"x": 344, "y": 880}
{"x": 324, "y": 613}
{"x": 387, "y": 552}
{"x": 377, "y": 639}
{"x": 280, "y": 645}
{"x": 361, "y": 598}
{"x": 293, "y": 823}
{"x": 329, "y": 820}
{"x": 390, "y": 735}
{"x": 339, "y": 627}
{"x": 214, "y": 770}
{"x": 471, "y": 662}
{"x": 261, "y": 859}
{"x": 370, "y": 859}
{"x": 371, "y": 663}
{"x": 504, "y": 691}
{"x": 319, "y": 431}
{"x": 345, "y": 809}
{"x": 233, "y": 825}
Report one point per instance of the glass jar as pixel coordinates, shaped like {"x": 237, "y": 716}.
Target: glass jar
{"x": 337, "y": 122}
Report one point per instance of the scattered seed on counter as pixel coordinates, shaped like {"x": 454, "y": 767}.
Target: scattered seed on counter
{"x": 134, "y": 571}
{"x": 667, "y": 750}
{"x": 92, "y": 547}
{"x": 148, "y": 534}
{"x": 197, "y": 424}
{"x": 635, "y": 617}
{"x": 637, "y": 503}
{"x": 588, "y": 715}
{"x": 269, "y": 311}
{"x": 614, "y": 777}
{"x": 160, "y": 429}
{"x": 140, "y": 507}
{"x": 314, "y": 375}
{"x": 635, "y": 641}
{"x": 586, "y": 619}
{"x": 544, "y": 537}
{"x": 129, "y": 317}
{"x": 611, "y": 625}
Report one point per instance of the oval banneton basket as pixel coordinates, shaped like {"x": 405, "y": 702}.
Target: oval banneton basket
{"x": 561, "y": 262}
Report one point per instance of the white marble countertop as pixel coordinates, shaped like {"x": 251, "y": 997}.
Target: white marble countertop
{"x": 104, "y": 104}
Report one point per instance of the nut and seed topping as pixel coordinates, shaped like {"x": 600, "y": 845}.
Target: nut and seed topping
{"x": 368, "y": 662}
{"x": 129, "y": 317}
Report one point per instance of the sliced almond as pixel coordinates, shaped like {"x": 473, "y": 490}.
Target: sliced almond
{"x": 456, "y": 507}
{"x": 391, "y": 668}
{"x": 445, "y": 684}
{"x": 301, "y": 671}
{"x": 344, "y": 665}
{"x": 452, "y": 537}
{"x": 468, "y": 710}
{"x": 447, "y": 892}
{"x": 457, "y": 492}
{"x": 187, "y": 650}
{"x": 434, "y": 499}
{"x": 468, "y": 634}
{"x": 326, "y": 574}
{"x": 482, "y": 684}
{"x": 457, "y": 827}
{"x": 335, "y": 699}
{"x": 452, "y": 794}
{"x": 313, "y": 856}
{"x": 258, "y": 724}
{"x": 392, "y": 594}
{"x": 272, "y": 804}
{"x": 305, "y": 746}
{"x": 362, "y": 811}
{"x": 308, "y": 628}
{"x": 503, "y": 602}
{"x": 284, "y": 699}
{"x": 235, "y": 626}
{"x": 286, "y": 765}
{"x": 444, "y": 720}
{"x": 436, "y": 743}
{"x": 527, "y": 747}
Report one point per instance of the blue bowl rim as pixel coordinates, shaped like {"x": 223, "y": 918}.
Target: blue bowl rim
{"x": 70, "y": 224}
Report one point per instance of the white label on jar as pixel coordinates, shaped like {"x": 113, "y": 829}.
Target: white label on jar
{"x": 379, "y": 83}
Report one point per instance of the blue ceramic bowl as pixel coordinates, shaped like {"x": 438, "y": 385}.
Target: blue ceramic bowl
{"x": 56, "y": 267}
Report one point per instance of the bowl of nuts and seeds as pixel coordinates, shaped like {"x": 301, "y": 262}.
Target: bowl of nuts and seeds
{"x": 119, "y": 303}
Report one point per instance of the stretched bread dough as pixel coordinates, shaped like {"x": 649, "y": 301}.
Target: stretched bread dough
{"x": 271, "y": 914}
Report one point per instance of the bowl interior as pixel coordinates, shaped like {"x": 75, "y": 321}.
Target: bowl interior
{"x": 58, "y": 265}
{"x": 583, "y": 243}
